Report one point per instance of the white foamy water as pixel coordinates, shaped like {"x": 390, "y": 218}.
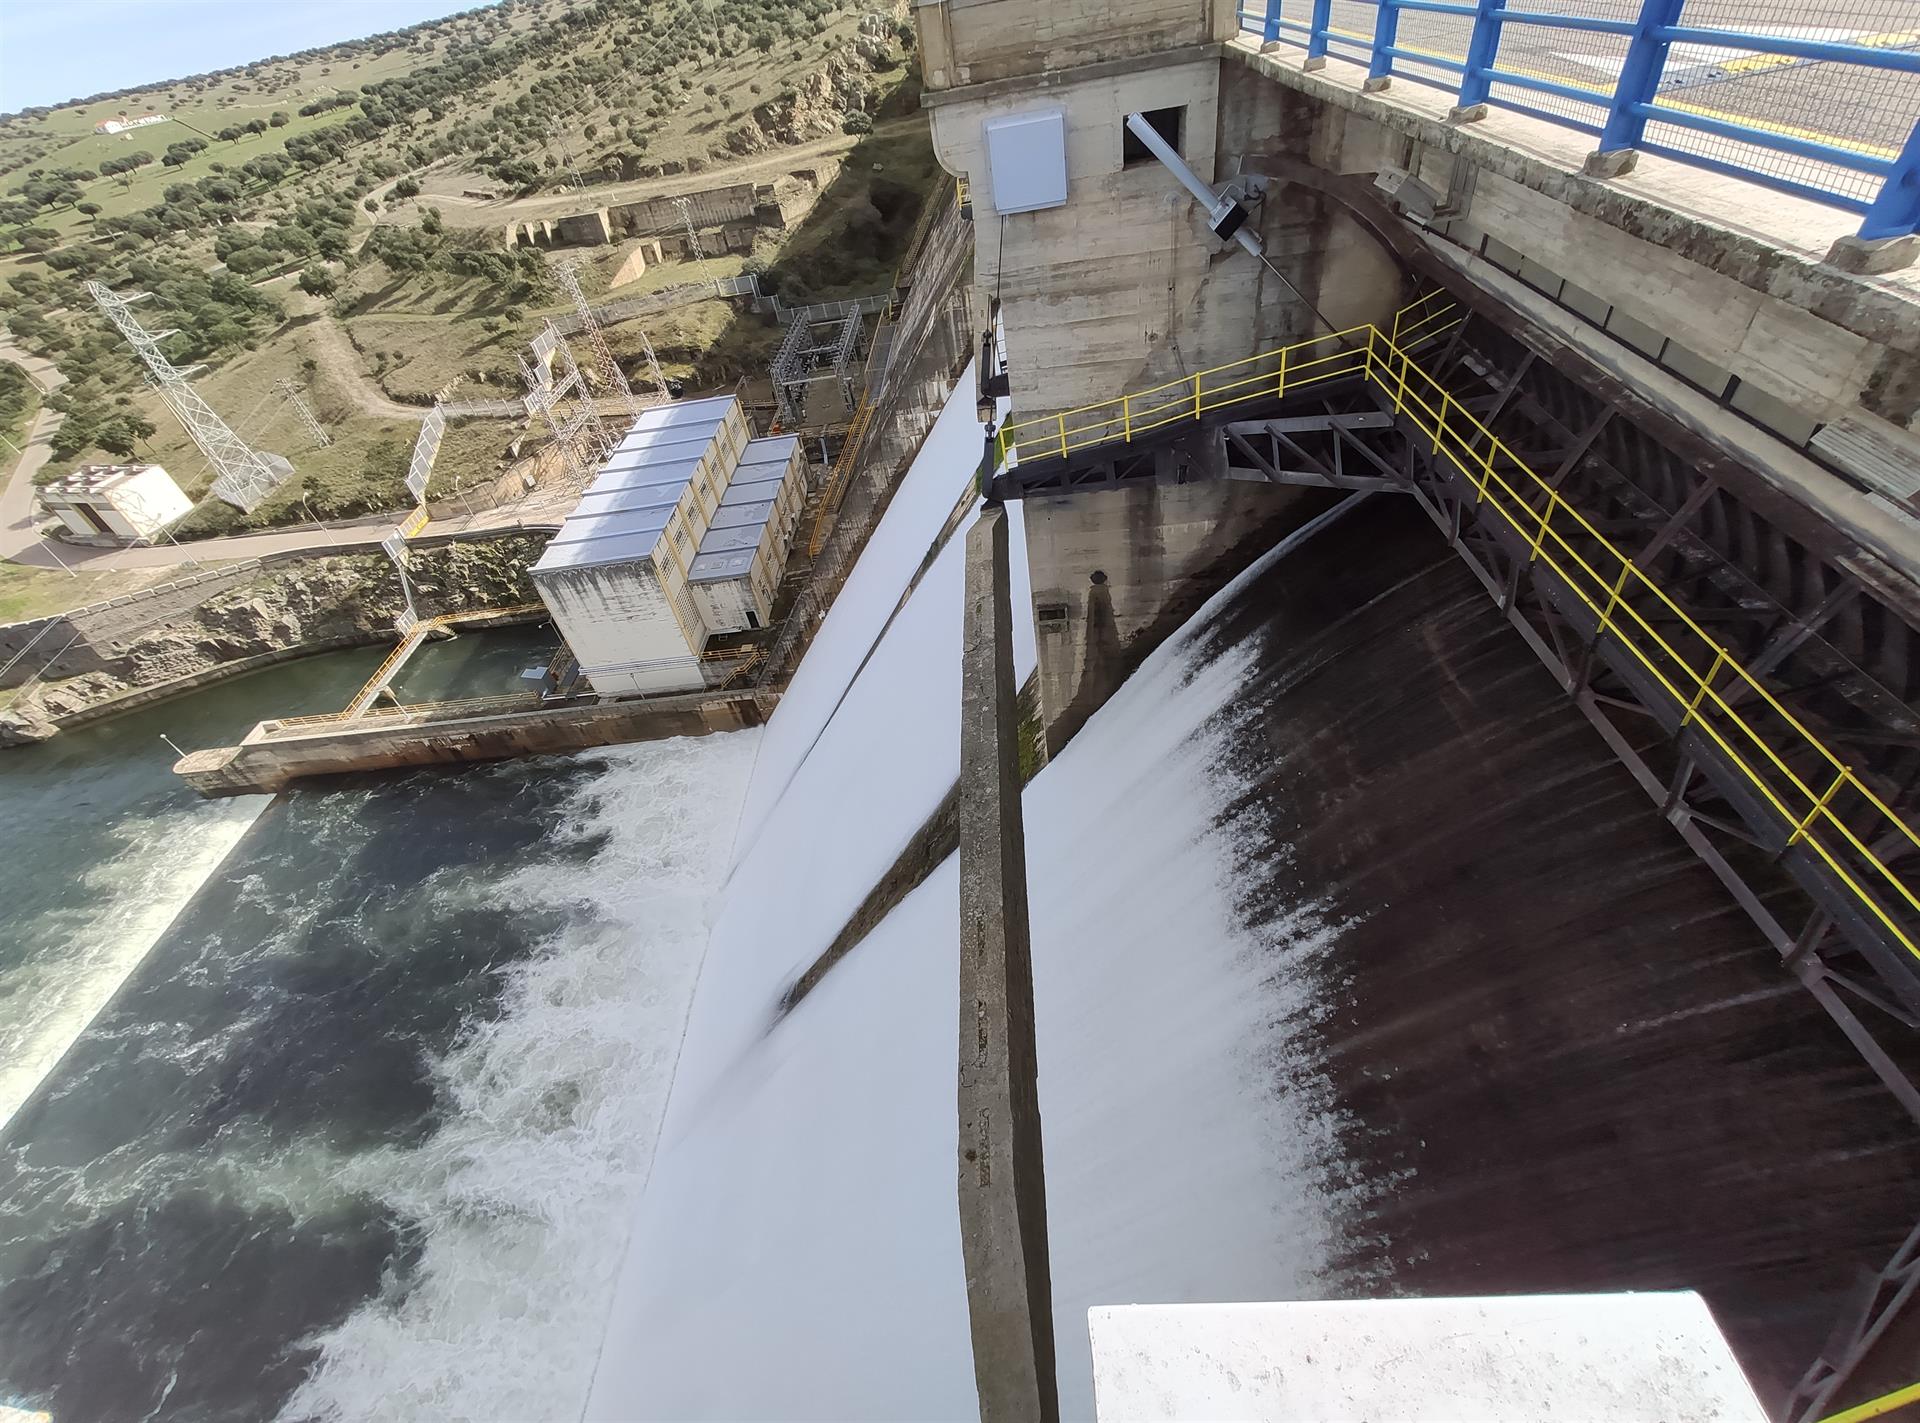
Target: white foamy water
{"x": 797, "y": 1251}
{"x": 85, "y": 952}
{"x": 521, "y": 1197}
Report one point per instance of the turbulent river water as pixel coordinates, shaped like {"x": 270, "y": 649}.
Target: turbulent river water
{"x": 296, "y": 1090}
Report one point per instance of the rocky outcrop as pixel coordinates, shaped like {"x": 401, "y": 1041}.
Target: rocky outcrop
{"x": 320, "y": 602}
{"x": 818, "y": 106}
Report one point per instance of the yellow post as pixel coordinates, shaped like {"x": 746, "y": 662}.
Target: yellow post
{"x": 1196, "y": 397}
{"x": 1280, "y": 384}
{"x": 1818, "y": 806}
{"x": 1063, "y": 433}
{"x": 1606, "y": 615}
{"x": 1540, "y": 535}
{"x": 1126, "y": 418}
{"x": 1486, "y": 475}
{"x": 1719, "y": 661}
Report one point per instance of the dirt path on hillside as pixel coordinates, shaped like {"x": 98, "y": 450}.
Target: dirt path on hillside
{"x": 457, "y": 211}
{"x": 334, "y": 351}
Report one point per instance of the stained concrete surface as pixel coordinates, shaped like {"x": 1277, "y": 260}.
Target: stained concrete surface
{"x": 1558, "y": 1042}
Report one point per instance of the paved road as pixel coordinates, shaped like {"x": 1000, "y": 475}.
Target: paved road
{"x": 16, "y": 500}
{"x": 18, "y": 522}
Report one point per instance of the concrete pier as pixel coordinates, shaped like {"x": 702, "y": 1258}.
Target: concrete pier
{"x": 274, "y": 755}
{"x": 1003, "y": 1194}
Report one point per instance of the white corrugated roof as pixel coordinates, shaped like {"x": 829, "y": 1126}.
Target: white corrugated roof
{"x": 740, "y": 515}
{"x": 719, "y": 567}
{"x": 620, "y": 517}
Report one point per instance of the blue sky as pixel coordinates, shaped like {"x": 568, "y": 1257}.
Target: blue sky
{"x": 55, "y": 50}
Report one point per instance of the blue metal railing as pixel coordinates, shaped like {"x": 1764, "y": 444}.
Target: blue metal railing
{"x": 1873, "y": 171}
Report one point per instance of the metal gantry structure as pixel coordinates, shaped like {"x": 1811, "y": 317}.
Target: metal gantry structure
{"x": 558, "y": 392}
{"x": 315, "y": 430}
{"x": 815, "y": 351}
{"x": 243, "y": 476}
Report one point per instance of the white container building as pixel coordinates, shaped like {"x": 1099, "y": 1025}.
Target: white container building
{"x": 115, "y": 503}
{"x": 737, "y": 571}
{"x": 681, "y": 536}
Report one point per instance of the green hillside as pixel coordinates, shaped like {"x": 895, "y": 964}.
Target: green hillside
{"x": 308, "y": 218}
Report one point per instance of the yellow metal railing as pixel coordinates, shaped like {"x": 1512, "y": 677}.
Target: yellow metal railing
{"x": 1878, "y": 1407}
{"x": 1819, "y": 802}
{"x": 1267, "y": 376}
{"x": 403, "y": 649}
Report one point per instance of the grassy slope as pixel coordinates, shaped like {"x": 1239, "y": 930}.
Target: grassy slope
{"x": 413, "y": 337}
{"x": 36, "y": 592}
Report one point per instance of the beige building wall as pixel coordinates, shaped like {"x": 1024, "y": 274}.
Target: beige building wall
{"x": 1124, "y": 288}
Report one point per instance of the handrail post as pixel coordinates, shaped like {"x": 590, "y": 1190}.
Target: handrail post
{"x": 1280, "y": 381}
{"x": 1317, "y": 36}
{"x": 1270, "y": 30}
{"x": 1719, "y": 661}
{"x": 1818, "y": 806}
{"x": 1196, "y": 397}
{"x": 1481, "y": 52}
{"x": 1896, "y": 212}
{"x": 1613, "y": 599}
{"x": 1126, "y": 418}
{"x": 1386, "y": 31}
{"x": 1638, "y": 83}
{"x": 1540, "y": 534}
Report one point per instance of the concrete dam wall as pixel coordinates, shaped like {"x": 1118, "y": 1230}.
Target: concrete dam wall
{"x": 1360, "y": 968}
{"x": 1547, "y": 1025}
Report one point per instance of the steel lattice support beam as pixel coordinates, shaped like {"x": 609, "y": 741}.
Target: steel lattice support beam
{"x": 243, "y": 476}
{"x": 315, "y": 430}
{"x": 568, "y": 274}
{"x": 565, "y": 403}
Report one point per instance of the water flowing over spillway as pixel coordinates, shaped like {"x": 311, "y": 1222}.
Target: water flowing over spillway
{"x": 1359, "y": 967}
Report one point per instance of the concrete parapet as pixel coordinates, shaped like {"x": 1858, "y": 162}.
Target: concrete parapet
{"x": 1002, "y": 1181}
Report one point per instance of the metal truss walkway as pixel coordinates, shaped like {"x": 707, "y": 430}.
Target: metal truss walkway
{"x": 1746, "y": 664}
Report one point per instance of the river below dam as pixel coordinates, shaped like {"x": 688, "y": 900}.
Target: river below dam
{"x": 300, "y": 1091}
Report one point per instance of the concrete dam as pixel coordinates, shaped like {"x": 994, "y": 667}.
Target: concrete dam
{"x": 1366, "y": 772}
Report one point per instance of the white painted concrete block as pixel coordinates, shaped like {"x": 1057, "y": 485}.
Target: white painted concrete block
{"x": 1027, "y": 160}
{"x": 1627, "y": 1358}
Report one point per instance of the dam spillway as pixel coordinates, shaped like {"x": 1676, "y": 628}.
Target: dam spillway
{"x": 1360, "y": 968}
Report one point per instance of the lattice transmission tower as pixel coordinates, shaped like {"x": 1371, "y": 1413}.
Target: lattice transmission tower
{"x": 243, "y": 476}
{"x": 558, "y": 392}
{"x": 695, "y": 253}
{"x": 559, "y": 136}
{"x": 315, "y": 430}
{"x": 568, "y": 273}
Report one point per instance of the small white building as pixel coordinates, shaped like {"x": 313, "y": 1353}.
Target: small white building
{"x": 616, "y": 576}
{"x": 115, "y": 503}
